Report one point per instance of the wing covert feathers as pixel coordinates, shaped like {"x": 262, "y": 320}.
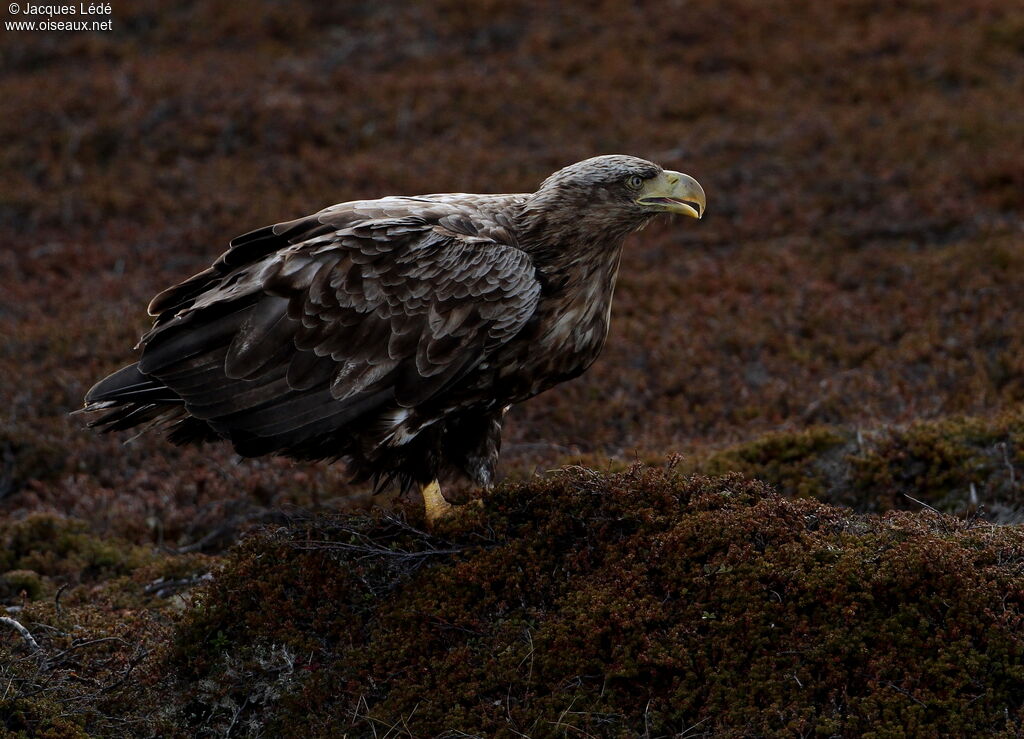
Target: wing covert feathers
{"x": 304, "y": 328}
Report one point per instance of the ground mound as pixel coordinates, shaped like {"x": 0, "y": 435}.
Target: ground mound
{"x": 647, "y": 602}
{"x": 644, "y": 602}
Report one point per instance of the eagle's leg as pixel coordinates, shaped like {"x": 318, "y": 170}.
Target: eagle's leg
{"x": 434, "y": 503}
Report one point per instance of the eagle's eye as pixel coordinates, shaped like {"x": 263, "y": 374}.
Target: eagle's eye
{"x": 634, "y": 182}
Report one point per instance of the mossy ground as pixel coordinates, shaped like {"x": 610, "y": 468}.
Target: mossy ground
{"x": 608, "y": 604}
{"x": 95, "y": 610}
{"x": 646, "y": 602}
{"x": 845, "y": 325}
{"x": 957, "y": 465}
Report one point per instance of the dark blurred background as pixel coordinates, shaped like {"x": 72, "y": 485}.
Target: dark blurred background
{"x": 861, "y": 263}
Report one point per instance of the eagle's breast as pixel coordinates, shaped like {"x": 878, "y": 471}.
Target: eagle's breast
{"x": 566, "y": 334}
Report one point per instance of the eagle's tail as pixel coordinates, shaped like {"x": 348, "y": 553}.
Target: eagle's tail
{"x": 130, "y": 399}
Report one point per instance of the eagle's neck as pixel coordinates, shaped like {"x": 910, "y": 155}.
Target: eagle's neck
{"x": 576, "y": 254}
{"x": 574, "y": 237}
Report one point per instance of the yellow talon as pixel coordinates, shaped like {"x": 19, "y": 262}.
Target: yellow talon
{"x": 438, "y": 508}
{"x": 435, "y": 504}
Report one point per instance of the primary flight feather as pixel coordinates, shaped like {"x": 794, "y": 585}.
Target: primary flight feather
{"x": 394, "y": 333}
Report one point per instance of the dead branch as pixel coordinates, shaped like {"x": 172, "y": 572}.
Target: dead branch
{"x": 25, "y": 633}
{"x": 163, "y": 588}
{"x": 375, "y": 550}
{"x": 56, "y": 600}
{"x": 226, "y": 533}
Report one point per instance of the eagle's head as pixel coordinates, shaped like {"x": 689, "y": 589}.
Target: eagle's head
{"x": 621, "y": 191}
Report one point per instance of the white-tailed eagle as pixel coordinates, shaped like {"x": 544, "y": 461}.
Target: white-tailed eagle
{"x": 393, "y": 334}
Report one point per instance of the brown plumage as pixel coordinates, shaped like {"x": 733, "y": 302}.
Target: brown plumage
{"x": 393, "y": 333}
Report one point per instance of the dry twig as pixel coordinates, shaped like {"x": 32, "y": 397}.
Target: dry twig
{"x": 25, "y": 633}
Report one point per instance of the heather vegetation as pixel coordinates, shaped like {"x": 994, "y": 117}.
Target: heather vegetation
{"x": 789, "y": 489}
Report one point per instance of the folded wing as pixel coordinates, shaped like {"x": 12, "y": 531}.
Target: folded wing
{"x": 345, "y": 317}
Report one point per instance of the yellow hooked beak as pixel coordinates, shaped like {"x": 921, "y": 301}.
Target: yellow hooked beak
{"x": 673, "y": 192}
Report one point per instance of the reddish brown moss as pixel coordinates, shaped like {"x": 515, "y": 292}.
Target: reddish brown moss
{"x": 26, "y": 456}
{"x": 613, "y": 603}
{"x": 38, "y": 719}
